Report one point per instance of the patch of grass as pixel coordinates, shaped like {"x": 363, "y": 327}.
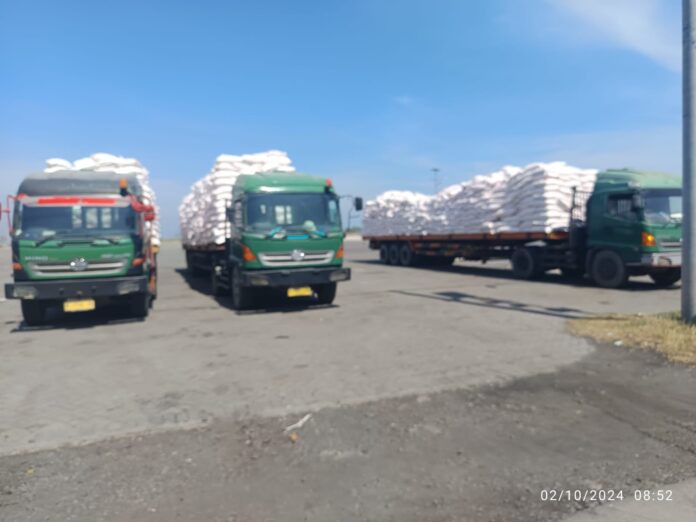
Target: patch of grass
{"x": 665, "y": 333}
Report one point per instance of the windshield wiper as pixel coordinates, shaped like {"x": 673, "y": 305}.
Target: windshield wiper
{"x": 275, "y": 231}
{"x": 294, "y": 230}
{"x": 81, "y": 239}
{"x": 44, "y": 240}
{"x": 112, "y": 240}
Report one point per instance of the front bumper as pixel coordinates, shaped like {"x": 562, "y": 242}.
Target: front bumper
{"x": 662, "y": 259}
{"x": 296, "y": 277}
{"x": 76, "y": 288}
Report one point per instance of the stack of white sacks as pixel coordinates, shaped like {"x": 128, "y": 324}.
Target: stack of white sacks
{"x": 536, "y": 198}
{"x": 202, "y": 211}
{"x": 102, "y": 162}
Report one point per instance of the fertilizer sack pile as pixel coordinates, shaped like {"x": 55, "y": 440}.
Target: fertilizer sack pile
{"x": 102, "y": 162}
{"x": 536, "y": 198}
{"x": 202, "y": 211}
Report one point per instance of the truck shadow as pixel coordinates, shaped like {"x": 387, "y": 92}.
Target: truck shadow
{"x": 552, "y": 277}
{"x": 266, "y": 304}
{"x": 58, "y": 320}
{"x": 499, "y": 304}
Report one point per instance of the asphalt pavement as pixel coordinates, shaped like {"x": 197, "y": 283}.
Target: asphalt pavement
{"x": 442, "y": 394}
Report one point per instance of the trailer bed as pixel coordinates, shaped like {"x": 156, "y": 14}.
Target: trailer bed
{"x": 211, "y": 247}
{"x": 500, "y": 237}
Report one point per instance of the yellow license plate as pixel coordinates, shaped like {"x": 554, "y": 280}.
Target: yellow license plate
{"x": 303, "y": 291}
{"x": 79, "y": 305}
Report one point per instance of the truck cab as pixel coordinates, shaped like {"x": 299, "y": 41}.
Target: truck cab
{"x": 285, "y": 235}
{"x": 80, "y": 241}
{"x": 634, "y": 227}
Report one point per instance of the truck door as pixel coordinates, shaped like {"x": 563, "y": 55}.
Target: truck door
{"x": 235, "y": 218}
{"x": 619, "y": 227}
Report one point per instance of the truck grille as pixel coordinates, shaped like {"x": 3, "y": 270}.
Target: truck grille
{"x": 64, "y": 269}
{"x": 667, "y": 243}
{"x": 296, "y": 258}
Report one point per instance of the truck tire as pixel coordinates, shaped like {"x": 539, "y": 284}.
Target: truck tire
{"x": 384, "y": 253}
{"x": 526, "y": 263}
{"x": 609, "y": 270}
{"x": 33, "y": 312}
{"x": 242, "y": 296}
{"x": 153, "y": 293}
{"x": 140, "y": 305}
{"x": 666, "y": 277}
{"x": 394, "y": 254}
{"x": 406, "y": 256}
{"x": 326, "y": 293}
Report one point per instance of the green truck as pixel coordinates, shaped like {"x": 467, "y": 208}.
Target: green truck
{"x": 284, "y": 237}
{"x": 629, "y": 225}
{"x": 80, "y": 241}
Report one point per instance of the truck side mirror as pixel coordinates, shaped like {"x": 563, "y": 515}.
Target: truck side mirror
{"x": 358, "y": 203}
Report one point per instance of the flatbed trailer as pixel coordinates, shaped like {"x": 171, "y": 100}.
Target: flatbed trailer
{"x": 629, "y": 225}
{"x": 551, "y": 249}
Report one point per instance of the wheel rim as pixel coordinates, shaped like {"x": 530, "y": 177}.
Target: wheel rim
{"x": 384, "y": 254}
{"x": 393, "y": 256}
{"x": 523, "y": 263}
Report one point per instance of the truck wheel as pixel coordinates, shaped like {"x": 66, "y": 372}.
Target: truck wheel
{"x": 608, "y": 270}
{"x": 394, "y": 254}
{"x": 666, "y": 277}
{"x": 526, "y": 263}
{"x": 406, "y": 257}
{"x": 33, "y": 312}
{"x": 384, "y": 254}
{"x": 140, "y": 305}
{"x": 153, "y": 289}
{"x": 326, "y": 293}
{"x": 241, "y": 295}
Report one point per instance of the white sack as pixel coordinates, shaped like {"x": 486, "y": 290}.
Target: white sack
{"x": 202, "y": 212}
{"x": 103, "y": 162}
{"x": 536, "y": 198}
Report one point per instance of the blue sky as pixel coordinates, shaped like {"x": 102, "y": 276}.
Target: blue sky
{"x": 371, "y": 93}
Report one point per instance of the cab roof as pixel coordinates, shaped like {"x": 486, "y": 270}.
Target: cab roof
{"x": 280, "y": 182}
{"x": 626, "y": 178}
{"x": 70, "y": 182}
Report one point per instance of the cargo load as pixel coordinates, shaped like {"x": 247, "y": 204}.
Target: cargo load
{"x": 102, "y": 162}
{"x": 202, "y": 211}
{"x": 536, "y": 198}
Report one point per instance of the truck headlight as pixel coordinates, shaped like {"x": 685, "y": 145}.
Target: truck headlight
{"x": 127, "y": 287}
{"x": 664, "y": 261}
{"x": 259, "y": 280}
{"x": 25, "y": 292}
{"x": 338, "y": 276}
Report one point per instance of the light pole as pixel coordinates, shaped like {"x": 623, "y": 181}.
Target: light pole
{"x": 436, "y": 180}
{"x": 689, "y": 191}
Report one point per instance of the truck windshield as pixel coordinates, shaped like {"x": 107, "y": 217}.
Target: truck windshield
{"x": 293, "y": 212}
{"x": 45, "y": 222}
{"x": 662, "y": 206}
